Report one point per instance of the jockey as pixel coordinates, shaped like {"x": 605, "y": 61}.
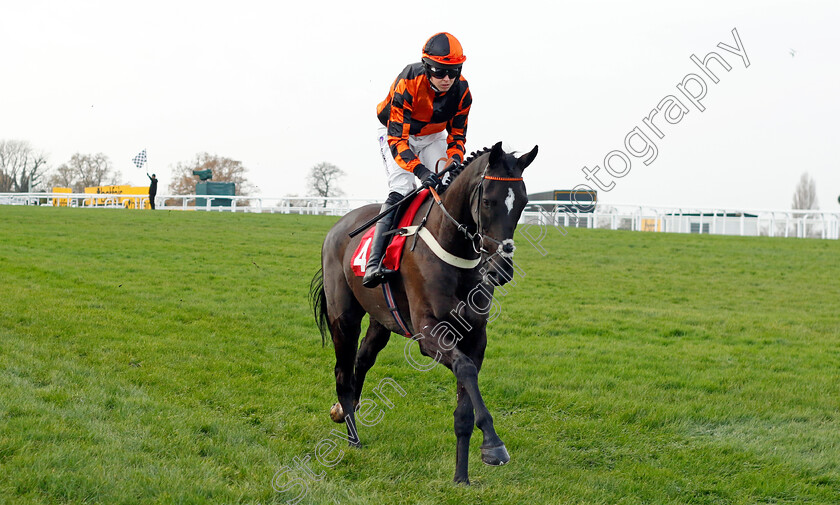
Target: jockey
{"x": 424, "y": 120}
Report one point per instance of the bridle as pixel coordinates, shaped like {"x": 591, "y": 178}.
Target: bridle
{"x": 505, "y": 247}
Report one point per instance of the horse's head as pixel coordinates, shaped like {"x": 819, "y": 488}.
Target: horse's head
{"x": 497, "y": 199}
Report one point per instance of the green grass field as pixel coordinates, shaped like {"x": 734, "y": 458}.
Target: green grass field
{"x": 171, "y": 357}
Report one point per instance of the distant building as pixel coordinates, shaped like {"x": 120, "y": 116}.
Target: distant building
{"x": 568, "y": 202}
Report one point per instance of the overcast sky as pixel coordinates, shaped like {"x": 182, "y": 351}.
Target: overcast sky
{"x": 282, "y": 86}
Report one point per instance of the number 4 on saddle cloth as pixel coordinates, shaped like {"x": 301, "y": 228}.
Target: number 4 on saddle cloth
{"x": 393, "y": 253}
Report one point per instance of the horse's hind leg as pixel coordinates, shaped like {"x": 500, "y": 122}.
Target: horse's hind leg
{"x": 376, "y": 338}
{"x": 345, "y": 329}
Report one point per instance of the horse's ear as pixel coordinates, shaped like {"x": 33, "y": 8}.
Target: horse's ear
{"x": 526, "y": 159}
{"x": 496, "y": 154}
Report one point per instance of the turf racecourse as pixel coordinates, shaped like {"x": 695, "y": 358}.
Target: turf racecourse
{"x": 171, "y": 357}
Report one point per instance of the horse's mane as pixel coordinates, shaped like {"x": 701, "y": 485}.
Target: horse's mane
{"x": 475, "y": 155}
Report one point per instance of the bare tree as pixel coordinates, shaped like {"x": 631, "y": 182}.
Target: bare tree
{"x": 323, "y": 180}
{"x": 805, "y": 196}
{"x": 224, "y": 170}
{"x": 62, "y": 177}
{"x": 84, "y": 171}
{"x": 21, "y": 168}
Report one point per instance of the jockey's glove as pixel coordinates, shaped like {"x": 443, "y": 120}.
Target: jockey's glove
{"x": 428, "y": 178}
{"x": 454, "y": 169}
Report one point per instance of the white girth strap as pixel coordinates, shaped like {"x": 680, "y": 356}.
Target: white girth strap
{"x": 439, "y": 251}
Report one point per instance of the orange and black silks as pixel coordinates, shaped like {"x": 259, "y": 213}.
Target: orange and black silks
{"x": 414, "y": 108}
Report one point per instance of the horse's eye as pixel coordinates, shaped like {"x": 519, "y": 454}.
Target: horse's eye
{"x": 486, "y": 203}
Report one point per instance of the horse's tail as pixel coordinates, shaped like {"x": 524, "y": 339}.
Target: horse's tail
{"x": 318, "y": 302}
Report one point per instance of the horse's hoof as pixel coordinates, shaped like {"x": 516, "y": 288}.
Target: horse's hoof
{"x": 337, "y": 413}
{"x": 462, "y": 482}
{"x": 495, "y": 456}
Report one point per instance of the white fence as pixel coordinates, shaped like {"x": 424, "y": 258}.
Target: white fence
{"x": 715, "y": 221}
{"x": 217, "y": 203}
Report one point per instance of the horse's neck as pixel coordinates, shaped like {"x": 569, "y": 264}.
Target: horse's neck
{"x": 456, "y": 200}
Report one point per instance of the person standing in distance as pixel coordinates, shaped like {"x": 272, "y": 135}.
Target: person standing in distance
{"x": 152, "y": 189}
{"x": 424, "y": 119}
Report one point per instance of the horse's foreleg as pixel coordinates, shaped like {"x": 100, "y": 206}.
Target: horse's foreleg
{"x": 493, "y": 451}
{"x": 464, "y": 424}
{"x": 471, "y": 409}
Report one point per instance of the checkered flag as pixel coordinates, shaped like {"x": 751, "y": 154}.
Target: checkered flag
{"x": 140, "y": 159}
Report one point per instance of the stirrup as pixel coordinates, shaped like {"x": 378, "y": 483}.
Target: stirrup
{"x": 375, "y": 277}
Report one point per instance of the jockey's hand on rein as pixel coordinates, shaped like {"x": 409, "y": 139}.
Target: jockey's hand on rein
{"x": 454, "y": 169}
{"x": 450, "y": 173}
{"x": 431, "y": 181}
{"x": 427, "y": 177}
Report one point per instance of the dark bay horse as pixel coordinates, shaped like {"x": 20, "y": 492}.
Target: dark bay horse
{"x": 473, "y": 221}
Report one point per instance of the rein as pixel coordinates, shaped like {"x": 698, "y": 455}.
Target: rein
{"x": 505, "y": 247}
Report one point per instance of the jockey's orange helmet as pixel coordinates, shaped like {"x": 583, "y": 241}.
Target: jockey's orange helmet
{"x": 443, "y": 49}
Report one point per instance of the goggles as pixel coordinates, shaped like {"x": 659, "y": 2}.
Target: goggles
{"x": 441, "y": 72}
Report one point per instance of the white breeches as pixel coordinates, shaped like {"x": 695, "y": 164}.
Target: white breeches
{"x": 429, "y": 148}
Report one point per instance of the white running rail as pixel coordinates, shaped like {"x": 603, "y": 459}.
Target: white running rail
{"x": 709, "y": 220}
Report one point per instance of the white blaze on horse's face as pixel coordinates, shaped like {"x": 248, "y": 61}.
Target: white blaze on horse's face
{"x": 509, "y": 200}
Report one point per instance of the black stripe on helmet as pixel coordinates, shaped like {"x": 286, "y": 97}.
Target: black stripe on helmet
{"x": 437, "y": 45}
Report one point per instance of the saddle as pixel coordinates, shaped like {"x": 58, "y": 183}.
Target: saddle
{"x": 394, "y": 251}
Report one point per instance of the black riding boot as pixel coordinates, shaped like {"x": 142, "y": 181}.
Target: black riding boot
{"x": 375, "y": 273}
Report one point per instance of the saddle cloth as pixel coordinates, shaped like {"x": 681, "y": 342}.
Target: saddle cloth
{"x": 393, "y": 253}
